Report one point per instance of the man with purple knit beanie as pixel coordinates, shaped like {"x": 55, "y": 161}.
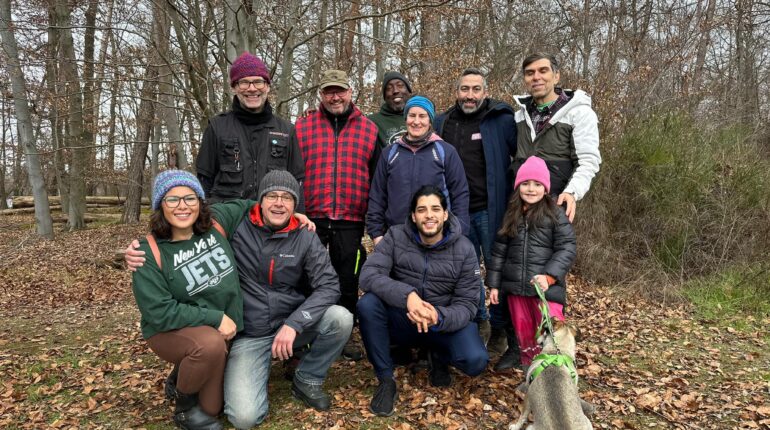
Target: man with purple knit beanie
{"x": 240, "y": 146}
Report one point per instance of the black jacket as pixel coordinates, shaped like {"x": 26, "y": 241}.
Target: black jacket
{"x": 445, "y": 275}
{"x": 235, "y": 156}
{"x": 286, "y": 276}
{"x": 546, "y": 250}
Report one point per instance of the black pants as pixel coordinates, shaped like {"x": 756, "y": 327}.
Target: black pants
{"x": 347, "y": 254}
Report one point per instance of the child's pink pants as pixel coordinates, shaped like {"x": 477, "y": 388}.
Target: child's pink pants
{"x": 525, "y": 316}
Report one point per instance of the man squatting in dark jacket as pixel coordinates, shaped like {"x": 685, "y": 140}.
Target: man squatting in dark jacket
{"x": 289, "y": 295}
{"x": 240, "y": 146}
{"x": 422, "y": 288}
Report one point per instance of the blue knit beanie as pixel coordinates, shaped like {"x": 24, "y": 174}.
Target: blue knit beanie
{"x": 169, "y": 179}
{"x": 421, "y": 102}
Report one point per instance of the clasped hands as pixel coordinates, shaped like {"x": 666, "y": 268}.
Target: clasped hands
{"x": 420, "y": 313}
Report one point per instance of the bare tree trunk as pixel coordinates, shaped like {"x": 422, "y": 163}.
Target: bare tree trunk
{"x": 168, "y": 97}
{"x": 90, "y": 115}
{"x": 34, "y": 171}
{"x": 239, "y": 29}
{"x": 78, "y": 137}
{"x": 3, "y": 154}
{"x": 284, "y": 82}
{"x": 144, "y": 121}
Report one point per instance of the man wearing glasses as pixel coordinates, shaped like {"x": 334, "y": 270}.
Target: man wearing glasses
{"x": 240, "y": 146}
{"x": 339, "y": 146}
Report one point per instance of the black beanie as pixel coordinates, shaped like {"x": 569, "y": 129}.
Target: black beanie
{"x": 394, "y": 75}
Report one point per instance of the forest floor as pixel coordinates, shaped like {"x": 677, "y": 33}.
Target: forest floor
{"x": 71, "y": 356}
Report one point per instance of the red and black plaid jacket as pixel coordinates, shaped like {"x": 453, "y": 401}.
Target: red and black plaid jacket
{"x": 337, "y": 170}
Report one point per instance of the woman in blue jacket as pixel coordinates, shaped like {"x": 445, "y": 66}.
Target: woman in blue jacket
{"x": 419, "y": 158}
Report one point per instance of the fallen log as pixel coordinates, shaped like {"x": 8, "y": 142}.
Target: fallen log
{"x": 29, "y": 201}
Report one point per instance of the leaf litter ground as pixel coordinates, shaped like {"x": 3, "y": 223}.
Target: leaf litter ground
{"x": 71, "y": 356}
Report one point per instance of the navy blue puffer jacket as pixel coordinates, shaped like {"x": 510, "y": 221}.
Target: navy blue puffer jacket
{"x": 445, "y": 275}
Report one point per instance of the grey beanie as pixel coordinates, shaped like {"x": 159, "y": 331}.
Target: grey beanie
{"x": 394, "y": 75}
{"x": 279, "y": 180}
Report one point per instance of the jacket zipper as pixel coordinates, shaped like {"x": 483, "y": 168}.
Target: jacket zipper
{"x": 424, "y": 276}
{"x": 270, "y": 273}
{"x": 334, "y": 175}
{"x": 524, "y": 256}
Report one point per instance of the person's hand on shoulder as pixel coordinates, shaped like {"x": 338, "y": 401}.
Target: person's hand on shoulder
{"x": 304, "y": 221}
{"x": 569, "y": 199}
{"x": 134, "y": 257}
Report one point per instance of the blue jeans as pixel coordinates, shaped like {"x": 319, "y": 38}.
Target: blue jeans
{"x": 382, "y": 326}
{"x": 248, "y": 365}
{"x": 482, "y": 244}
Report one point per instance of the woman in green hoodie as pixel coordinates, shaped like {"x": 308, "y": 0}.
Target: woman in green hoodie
{"x": 189, "y": 296}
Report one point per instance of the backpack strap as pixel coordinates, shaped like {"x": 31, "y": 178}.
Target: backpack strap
{"x": 441, "y": 156}
{"x": 392, "y": 152}
{"x": 219, "y": 227}
{"x": 154, "y": 248}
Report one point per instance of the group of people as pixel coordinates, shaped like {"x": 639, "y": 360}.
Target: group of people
{"x": 260, "y": 255}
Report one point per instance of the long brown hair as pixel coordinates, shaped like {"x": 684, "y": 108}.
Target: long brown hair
{"x": 535, "y": 214}
{"x": 161, "y": 229}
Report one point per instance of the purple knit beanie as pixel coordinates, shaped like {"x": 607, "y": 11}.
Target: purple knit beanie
{"x": 169, "y": 179}
{"x": 248, "y": 65}
{"x": 534, "y": 169}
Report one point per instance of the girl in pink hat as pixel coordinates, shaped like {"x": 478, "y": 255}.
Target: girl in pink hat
{"x": 534, "y": 248}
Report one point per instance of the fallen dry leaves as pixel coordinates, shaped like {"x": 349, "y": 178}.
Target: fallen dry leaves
{"x": 71, "y": 356}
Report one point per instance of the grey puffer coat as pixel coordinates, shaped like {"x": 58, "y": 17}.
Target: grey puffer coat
{"x": 549, "y": 249}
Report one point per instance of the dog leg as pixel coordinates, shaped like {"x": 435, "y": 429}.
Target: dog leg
{"x": 588, "y": 408}
{"x": 522, "y": 419}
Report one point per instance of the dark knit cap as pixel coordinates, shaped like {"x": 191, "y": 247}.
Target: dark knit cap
{"x": 421, "y": 102}
{"x": 169, "y": 179}
{"x": 248, "y": 65}
{"x": 389, "y": 76}
{"x": 279, "y": 180}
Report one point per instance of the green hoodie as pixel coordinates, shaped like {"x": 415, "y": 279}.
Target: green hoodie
{"x": 196, "y": 286}
{"x": 391, "y": 125}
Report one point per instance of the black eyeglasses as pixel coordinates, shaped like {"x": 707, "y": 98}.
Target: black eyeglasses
{"x": 258, "y": 84}
{"x": 272, "y": 198}
{"x": 190, "y": 200}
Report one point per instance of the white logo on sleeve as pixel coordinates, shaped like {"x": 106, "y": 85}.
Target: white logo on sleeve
{"x": 307, "y": 316}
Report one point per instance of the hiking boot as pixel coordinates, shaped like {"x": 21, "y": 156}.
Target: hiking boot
{"x": 384, "y": 398}
{"x": 188, "y": 415}
{"x": 423, "y": 362}
{"x": 170, "y": 386}
{"x": 352, "y": 352}
{"x": 439, "y": 375}
{"x": 497, "y": 343}
{"x": 312, "y": 395}
{"x": 509, "y": 360}
{"x": 512, "y": 356}
{"x": 401, "y": 355}
{"x": 485, "y": 330}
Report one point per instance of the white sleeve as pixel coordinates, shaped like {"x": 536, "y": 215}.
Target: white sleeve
{"x": 585, "y": 135}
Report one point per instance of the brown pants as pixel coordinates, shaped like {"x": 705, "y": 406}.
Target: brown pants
{"x": 201, "y": 353}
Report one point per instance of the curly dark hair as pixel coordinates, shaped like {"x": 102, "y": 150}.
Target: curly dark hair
{"x": 535, "y": 214}
{"x": 161, "y": 229}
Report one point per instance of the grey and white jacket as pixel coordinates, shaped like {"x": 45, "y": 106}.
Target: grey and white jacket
{"x": 569, "y": 143}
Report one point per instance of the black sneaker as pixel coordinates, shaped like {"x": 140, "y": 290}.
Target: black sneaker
{"x": 439, "y": 375}
{"x": 352, "y": 352}
{"x": 384, "y": 398}
{"x": 312, "y": 395}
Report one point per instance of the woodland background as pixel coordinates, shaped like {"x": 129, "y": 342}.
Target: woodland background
{"x": 95, "y": 97}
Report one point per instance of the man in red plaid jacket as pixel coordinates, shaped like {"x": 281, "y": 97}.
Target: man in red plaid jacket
{"x": 339, "y": 146}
